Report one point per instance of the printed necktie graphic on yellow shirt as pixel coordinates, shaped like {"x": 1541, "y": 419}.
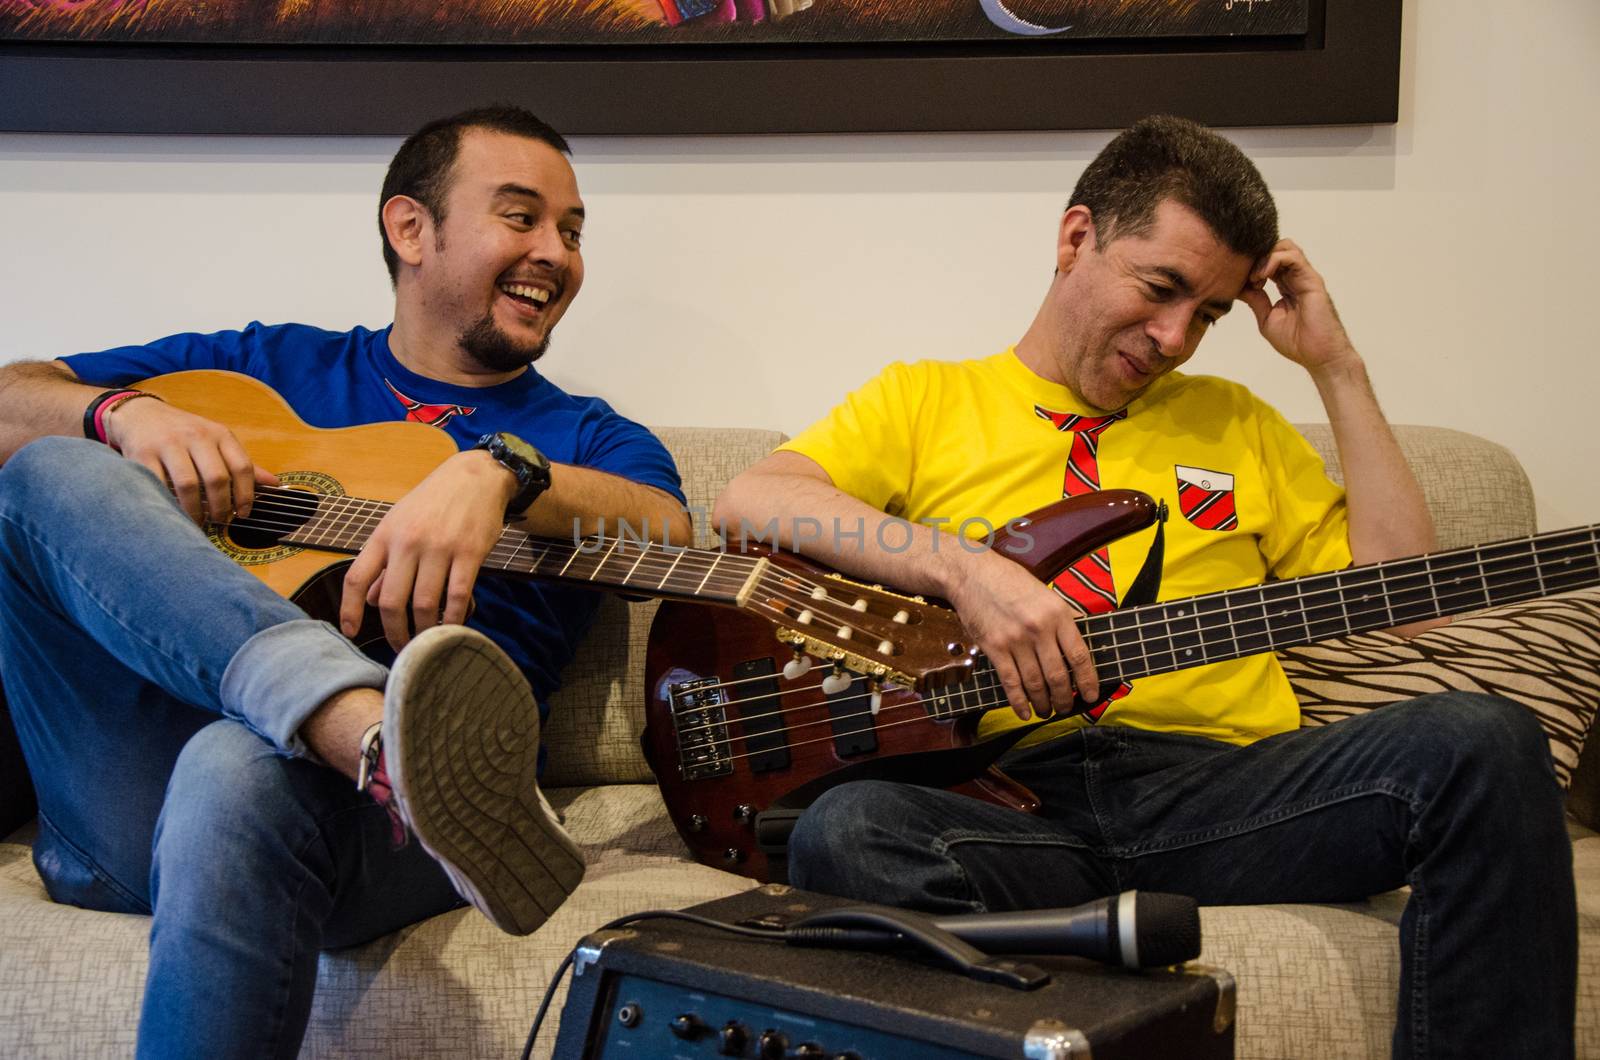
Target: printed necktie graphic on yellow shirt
{"x": 1206, "y": 498}
{"x": 1087, "y": 584}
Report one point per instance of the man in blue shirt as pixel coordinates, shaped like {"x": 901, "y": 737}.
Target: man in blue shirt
{"x": 187, "y": 728}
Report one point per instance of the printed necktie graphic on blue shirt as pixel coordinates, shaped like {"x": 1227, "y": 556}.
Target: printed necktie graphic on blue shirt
{"x": 432, "y": 415}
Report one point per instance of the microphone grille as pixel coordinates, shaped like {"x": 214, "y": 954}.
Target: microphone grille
{"x": 1168, "y": 928}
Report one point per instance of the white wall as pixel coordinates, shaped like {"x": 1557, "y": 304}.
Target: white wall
{"x": 752, "y": 280}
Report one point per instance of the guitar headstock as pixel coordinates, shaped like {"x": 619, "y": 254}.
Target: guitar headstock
{"x": 867, "y": 629}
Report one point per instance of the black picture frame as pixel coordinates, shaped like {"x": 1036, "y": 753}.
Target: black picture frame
{"x": 1345, "y": 71}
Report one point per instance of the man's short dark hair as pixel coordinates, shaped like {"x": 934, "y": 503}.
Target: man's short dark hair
{"x": 1163, "y": 157}
{"x": 422, "y": 167}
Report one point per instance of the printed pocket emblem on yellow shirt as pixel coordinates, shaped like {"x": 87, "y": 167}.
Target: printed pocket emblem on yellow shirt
{"x": 1206, "y": 498}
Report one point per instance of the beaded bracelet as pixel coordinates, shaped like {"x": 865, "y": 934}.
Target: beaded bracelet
{"x": 94, "y": 417}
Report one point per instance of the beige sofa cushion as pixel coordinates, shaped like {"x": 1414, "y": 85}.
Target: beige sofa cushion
{"x": 451, "y": 986}
{"x": 596, "y": 717}
{"x": 1476, "y": 489}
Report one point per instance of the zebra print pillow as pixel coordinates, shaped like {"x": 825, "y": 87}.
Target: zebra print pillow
{"x": 1544, "y": 654}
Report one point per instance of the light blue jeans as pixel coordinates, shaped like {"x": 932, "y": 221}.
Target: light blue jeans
{"x": 157, "y": 690}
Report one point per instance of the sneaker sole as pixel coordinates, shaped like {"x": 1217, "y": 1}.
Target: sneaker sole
{"x": 461, "y": 743}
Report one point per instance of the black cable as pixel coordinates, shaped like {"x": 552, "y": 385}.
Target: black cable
{"x": 527, "y": 1050}
{"x": 768, "y": 935}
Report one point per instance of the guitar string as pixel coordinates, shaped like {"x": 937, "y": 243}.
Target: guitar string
{"x": 505, "y": 551}
{"x": 820, "y": 739}
{"x": 978, "y": 678}
{"x": 981, "y": 675}
{"x": 725, "y": 582}
{"x": 1107, "y": 639}
{"x": 1117, "y": 660}
{"x": 1527, "y": 549}
{"x": 700, "y": 577}
{"x": 1472, "y": 557}
{"x": 984, "y": 678}
{"x": 1305, "y": 600}
{"x": 373, "y": 509}
{"x": 1114, "y": 630}
{"x": 728, "y": 741}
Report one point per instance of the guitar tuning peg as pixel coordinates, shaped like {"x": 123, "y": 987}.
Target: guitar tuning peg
{"x": 797, "y": 667}
{"x": 876, "y": 701}
{"x": 836, "y": 682}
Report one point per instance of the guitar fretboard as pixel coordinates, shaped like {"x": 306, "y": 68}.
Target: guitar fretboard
{"x": 1159, "y": 638}
{"x": 343, "y": 524}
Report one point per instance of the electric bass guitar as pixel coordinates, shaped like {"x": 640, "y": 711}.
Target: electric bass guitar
{"x": 742, "y": 734}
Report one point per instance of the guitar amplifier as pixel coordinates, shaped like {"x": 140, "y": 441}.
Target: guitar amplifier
{"x": 672, "y": 989}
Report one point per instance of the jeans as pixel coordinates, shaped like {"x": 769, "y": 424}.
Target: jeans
{"x": 1450, "y": 794}
{"x": 157, "y": 690}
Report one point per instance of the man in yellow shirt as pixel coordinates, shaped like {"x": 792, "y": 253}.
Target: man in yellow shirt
{"x": 1198, "y": 781}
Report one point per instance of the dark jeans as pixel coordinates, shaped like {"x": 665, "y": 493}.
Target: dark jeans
{"x": 1450, "y": 794}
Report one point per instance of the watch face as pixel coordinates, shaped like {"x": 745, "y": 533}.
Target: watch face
{"x": 523, "y": 451}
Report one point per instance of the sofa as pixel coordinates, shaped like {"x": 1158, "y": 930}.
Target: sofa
{"x": 1313, "y": 980}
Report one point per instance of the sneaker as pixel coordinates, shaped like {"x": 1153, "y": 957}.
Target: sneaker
{"x": 461, "y": 747}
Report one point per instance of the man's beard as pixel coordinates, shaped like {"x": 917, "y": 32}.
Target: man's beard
{"x": 488, "y": 344}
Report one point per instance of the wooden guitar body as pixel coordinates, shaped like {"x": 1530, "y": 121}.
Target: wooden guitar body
{"x": 378, "y": 461}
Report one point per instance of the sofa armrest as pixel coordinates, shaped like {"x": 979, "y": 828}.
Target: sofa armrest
{"x": 1544, "y": 654}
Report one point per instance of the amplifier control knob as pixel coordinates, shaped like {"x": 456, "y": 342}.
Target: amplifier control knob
{"x": 689, "y": 1026}
{"x": 772, "y": 1046}
{"x": 810, "y": 1051}
{"x": 732, "y": 1039}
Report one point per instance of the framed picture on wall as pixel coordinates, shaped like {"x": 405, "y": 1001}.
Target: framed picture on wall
{"x": 692, "y": 66}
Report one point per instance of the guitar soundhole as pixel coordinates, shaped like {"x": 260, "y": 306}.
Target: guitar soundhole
{"x": 277, "y": 513}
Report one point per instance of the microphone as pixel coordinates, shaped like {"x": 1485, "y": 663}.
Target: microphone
{"x": 1136, "y": 929}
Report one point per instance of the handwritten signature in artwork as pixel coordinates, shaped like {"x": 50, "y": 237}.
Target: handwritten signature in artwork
{"x": 1248, "y": 5}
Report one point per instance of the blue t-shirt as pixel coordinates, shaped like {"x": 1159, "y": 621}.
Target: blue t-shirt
{"x": 343, "y": 379}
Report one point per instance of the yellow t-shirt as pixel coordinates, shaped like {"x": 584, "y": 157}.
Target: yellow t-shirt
{"x": 962, "y": 440}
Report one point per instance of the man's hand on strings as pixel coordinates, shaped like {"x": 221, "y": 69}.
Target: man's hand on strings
{"x": 200, "y": 460}
{"x": 1029, "y": 634}
{"x": 419, "y": 565}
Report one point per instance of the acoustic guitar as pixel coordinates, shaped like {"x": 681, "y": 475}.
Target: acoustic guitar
{"x": 337, "y": 484}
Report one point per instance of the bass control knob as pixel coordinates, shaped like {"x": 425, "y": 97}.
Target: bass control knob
{"x": 772, "y": 1045}
{"x": 688, "y": 1026}
{"x": 732, "y": 1039}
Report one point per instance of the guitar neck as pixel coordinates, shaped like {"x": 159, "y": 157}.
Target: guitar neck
{"x": 343, "y": 524}
{"x": 1175, "y": 635}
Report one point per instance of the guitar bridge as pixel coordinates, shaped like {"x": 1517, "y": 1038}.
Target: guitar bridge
{"x": 700, "y": 724}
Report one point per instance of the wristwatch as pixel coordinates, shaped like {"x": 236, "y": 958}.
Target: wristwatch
{"x": 529, "y": 466}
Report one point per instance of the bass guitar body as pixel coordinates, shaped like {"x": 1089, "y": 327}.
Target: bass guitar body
{"x": 738, "y": 746}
